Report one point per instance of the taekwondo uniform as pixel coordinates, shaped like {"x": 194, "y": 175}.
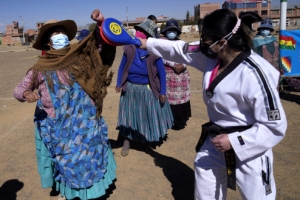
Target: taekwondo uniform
{"x": 243, "y": 95}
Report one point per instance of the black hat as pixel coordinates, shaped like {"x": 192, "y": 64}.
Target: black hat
{"x": 171, "y": 24}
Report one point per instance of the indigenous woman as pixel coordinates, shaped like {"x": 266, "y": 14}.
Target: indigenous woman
{"x": 144, "y": 111}
{"x": 73, "y": 153}
{"x": 178, "y": 81}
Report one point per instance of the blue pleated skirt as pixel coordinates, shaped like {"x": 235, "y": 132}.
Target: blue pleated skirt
{"x": 45, "y": 169}
{"x": 141, "y": 116}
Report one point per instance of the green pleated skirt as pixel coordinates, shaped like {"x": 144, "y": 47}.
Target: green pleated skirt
{"x": 141, "y": 116}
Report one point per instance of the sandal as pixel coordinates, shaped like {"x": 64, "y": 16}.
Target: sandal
{"x": 125, "y": 153}
{"x": 125, "y": 148}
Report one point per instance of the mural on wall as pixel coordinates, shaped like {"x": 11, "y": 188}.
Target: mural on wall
{"x": 289, "y": 45}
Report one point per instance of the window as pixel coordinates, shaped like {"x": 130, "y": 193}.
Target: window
{"x": 289, "y": 11}
{"x": 275, "y": 12}
{"x": 251, "y": 5}
{"x": 232, "y": 5}
{"x": 264, "y": 12}
{"x": 264, "y": 4}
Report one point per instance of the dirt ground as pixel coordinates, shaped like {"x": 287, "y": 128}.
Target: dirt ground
{"x": 165, "y": 174}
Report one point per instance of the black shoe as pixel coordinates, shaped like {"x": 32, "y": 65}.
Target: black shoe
{"x": 177, "y": 127}
{"x": 53, "y": 191}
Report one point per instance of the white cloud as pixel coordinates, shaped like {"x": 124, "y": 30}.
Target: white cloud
{"x": 2, "y": 24}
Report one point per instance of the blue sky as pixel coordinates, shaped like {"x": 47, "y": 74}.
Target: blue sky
{"x": 39, "y": 11}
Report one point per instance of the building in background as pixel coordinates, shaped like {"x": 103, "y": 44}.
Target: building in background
{"x": 30, "y": 35}
{"x": 265, "y": 10}
{"x": 292, "y": 16}
{"x": 201, "y": 10}
{"x": 39, "y": 25}
{"x": 13, "y": 34}
{"x": 261, "y": 7}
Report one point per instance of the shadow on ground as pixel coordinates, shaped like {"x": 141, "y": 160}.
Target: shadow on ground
{"x": 179, "y": 174}
{"x": 9, "y": 189}
{"x": 136, "y": 145}
{"x": 290, "y": 97}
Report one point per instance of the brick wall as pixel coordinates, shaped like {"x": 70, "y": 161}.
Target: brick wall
{"x": 8, "y": 40}
{"x": 202, "y": 10}
{"x": 10, "y": 30}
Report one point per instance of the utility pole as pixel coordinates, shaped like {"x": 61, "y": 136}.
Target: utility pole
{"x": 127, "y": 15}
{"x": 283, "y": 8}
{"x": 23, "y": 28}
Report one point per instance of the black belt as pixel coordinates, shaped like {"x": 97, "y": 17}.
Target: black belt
{"x": 213, "y": 129}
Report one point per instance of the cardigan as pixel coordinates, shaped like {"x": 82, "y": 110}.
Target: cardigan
{"x": 157, "y": 80}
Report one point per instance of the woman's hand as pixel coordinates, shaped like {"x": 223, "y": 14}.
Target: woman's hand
{"x": 162, "y": 98}
{"x": 221, "y": 142}
{"x": 143, "y": 42}
{"x": 30, "y": 96}
{"x": 118, "y": 89}
{"x": 97, "y": 16}
{"x": 178, "y": 68}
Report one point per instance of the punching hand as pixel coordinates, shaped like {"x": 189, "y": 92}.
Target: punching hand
{"x": 97, "y": 16}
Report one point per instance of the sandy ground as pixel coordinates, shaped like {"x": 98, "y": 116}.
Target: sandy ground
{"x": 165, "y": 174}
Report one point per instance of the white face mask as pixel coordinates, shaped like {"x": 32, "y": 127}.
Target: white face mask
{"x": 60, "y": 41}
{"x": 265, "y": 32}
{"x": 171, "y": 35}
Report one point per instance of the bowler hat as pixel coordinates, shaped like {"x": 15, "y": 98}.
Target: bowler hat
{"x": 69, "y": 26}
{"x": 171, "y": 24}
{"x": 83, "y": 33}
{"x": 147, "y": 26}
{"x": 266, "y": 23}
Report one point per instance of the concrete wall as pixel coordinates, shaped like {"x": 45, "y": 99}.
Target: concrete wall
{"x": 189, "y": 28}
{"x": 8, "y": 40}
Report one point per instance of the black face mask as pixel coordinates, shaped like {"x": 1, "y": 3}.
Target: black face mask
{"x": 204, "y": 49}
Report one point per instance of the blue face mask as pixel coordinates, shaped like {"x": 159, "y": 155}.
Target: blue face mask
{"x": 265, "y": 32}
{"x": 60, "y": 41}
{"x": 171, "y": 35}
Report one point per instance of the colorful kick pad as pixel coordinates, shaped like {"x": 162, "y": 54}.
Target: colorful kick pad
{"x": 114, "y": 33}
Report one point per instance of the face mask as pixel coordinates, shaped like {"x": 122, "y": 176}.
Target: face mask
{"x": 60, "y": 41}
{"x": 265, "y": 32}
{"x": 171, "y": 35}
{"x": 204, "y": 49}
{"x": 207, "y": 51}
